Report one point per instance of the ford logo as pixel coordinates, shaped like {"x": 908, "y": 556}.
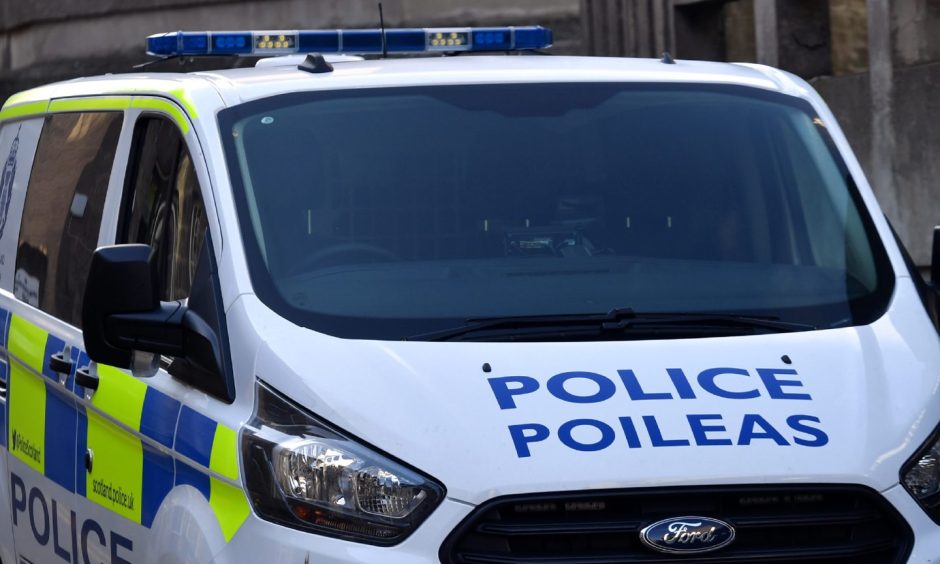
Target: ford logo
{"x": 687, "y": 535}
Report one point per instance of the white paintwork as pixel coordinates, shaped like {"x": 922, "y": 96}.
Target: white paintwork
{"x": 873, "y": 388}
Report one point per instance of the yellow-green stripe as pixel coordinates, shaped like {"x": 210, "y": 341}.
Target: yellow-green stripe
{"x": 115, "y": 481}
{"x": 27, "y": 395}
{"x": 105, "y": 103}
{"x": 229, "y": 505}
{"x": 27, "y": 342}
{"x": 23, "y": 110}
{"x": 183, "y": 97}
{"x": 224, "y": 456}
{"x": 27, "y": 406}
{"x": 89, "y": 104}
{"x": 120, "y": 395}
{"x": 164, "y": 106}
{"x": 228, "y": 502}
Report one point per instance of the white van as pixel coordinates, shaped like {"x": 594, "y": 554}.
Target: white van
{"x": 468, "y": 310}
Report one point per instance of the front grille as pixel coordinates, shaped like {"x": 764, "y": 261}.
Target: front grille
{"x": 809, "y": 524}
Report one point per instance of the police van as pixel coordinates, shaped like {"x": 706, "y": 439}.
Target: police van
{"x": 460, "y": 309}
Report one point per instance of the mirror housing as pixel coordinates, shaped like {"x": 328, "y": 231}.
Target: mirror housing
{"x": 122, "y": 280}
{"x": 122, "y": 313}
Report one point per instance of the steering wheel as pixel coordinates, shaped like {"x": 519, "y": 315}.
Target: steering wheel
{"x": 343, "y": 253}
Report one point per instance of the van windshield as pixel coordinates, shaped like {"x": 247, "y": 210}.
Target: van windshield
{"x": 387, "y": 213}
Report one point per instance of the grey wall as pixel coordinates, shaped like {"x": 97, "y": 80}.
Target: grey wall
{"x": 876, "y": 63}
{"x": 47, "y": 40}
{"x": 909, "y": 190}
{"x": 886, "y": 93}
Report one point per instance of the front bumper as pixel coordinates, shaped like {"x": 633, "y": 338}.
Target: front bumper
{"x": 261, "y": 541}
{"x": 926, "y": 532}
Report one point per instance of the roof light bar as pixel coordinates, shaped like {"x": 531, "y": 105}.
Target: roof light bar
{"x": 349, "y": 41}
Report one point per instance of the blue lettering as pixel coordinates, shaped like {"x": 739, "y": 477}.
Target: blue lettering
{"x": 700, "y": 430}
{"x": 681, "y": 383}
{"x": 656, "y": 436}
{"x": 749, "y": 433}
{"x": 34, "y": 496}
{"x": 504, "y": 393}
{"x": 90, "y": 526}
{"x": 521, "y": 440}
{"x": 605, "y": 388}
{"x": 706, "y": 380}
{"x": 19, "y": 501}
{"x": 59, "y": 551}
{"x": 636, "y": 391}
{"x": 775, "y": 386}
{"x": 629, "y": 429}
{"x": 74, "y": 540}
{"x": 796, "y": 423}
{"x": 117, "y": 541}
{"x": 607, "y": 434}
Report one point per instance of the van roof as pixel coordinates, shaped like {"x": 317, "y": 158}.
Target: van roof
{"x": 236, "y": 86}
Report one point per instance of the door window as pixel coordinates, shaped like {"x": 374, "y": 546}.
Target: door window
{"x": 62, "y": 213}
{"x": 163, "y": 205}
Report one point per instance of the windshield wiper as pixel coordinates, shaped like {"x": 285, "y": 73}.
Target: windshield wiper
{"x": 617, "y": 323}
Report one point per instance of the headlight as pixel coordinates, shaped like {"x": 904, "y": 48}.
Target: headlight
{"x": 921, "y": 476}
{"x": 304, "y": 473}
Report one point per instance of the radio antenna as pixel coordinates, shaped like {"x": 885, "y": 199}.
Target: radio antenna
{"x": 382, "y": 25}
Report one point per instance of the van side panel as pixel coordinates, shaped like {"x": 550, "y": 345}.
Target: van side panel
{"x": 18, "y": 142}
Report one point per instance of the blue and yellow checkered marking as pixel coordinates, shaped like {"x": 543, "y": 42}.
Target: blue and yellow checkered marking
{"x": 81, "y": 446}
{"x": 60, "y": 438}
{"x": 186, "y": 475}
{"x": 194, "y": 436}
{"x": 158, "y": 475}
{"x": 53, "y": 426}
{"x": 4, "y": 371}
{"x": 158, "y": 420}
{"x": 80, "y": 359}
{"x": 4, "y": 326}
{"x": 4, "y": 376}
{"x": 26, "y": 394}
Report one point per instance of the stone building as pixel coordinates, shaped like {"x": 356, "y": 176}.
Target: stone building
{"x": 876, "y": 62}
{"x": 46, "y": 40}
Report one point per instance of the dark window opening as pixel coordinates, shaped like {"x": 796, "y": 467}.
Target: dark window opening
{"x": 163, "y": 206}
{"x": 63, "y": 209}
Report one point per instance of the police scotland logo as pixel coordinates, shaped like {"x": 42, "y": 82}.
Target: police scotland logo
{"x": 687, "y": 535}
{"x": 6, "y": 181}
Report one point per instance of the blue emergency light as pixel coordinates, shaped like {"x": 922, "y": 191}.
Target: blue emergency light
{"x": 349, "y": 41}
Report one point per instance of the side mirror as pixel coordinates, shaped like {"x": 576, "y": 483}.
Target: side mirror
{"x": 122, "y": 313}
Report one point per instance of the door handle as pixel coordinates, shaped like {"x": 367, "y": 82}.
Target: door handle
{"x": 85, "y": 379}
{"x": 59, "y": 364}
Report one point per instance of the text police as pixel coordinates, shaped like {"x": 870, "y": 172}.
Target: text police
{"x": 704, "y": 429}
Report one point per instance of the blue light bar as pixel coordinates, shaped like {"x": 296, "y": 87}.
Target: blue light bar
{"x": 349, "y": 41}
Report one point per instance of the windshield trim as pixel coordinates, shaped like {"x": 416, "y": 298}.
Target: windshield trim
{"x": 864, "y": 310}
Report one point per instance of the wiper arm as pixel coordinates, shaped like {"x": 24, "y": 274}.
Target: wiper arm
{"x": 474, "y": 325}
{"x": 621, "y": 320}
{"x": 771, "y": 324}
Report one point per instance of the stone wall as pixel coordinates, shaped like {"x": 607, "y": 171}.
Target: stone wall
{"x": 46, "y": 40}
{"x": 876, "y": 63}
